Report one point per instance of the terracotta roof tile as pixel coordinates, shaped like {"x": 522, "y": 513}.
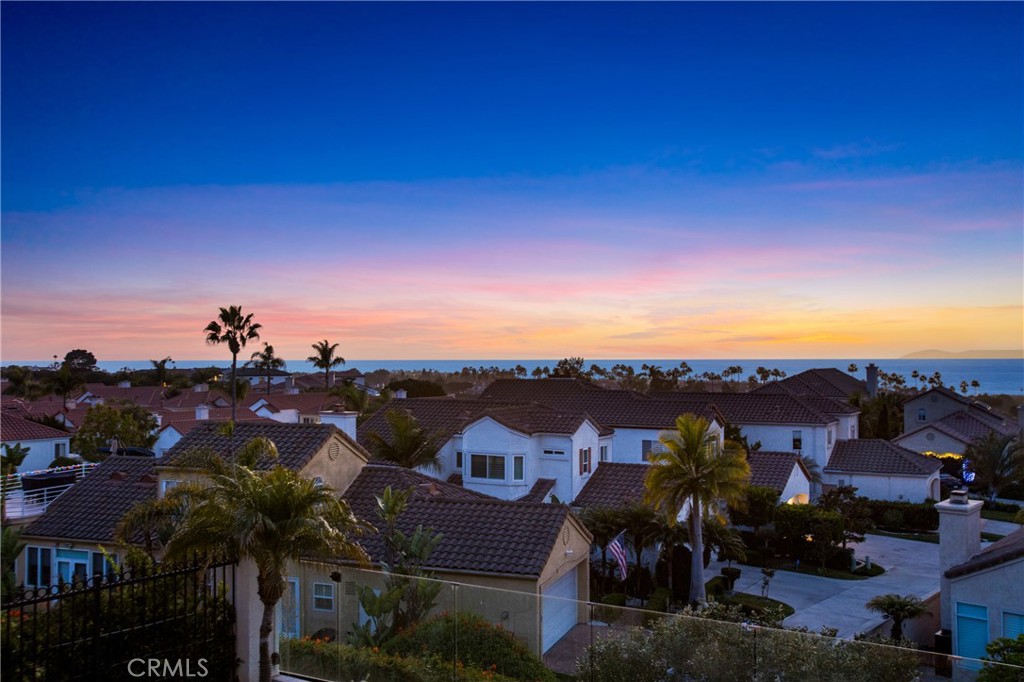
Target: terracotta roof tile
{"x": 539, "y": 491}
{"x": 91, "y": 509}
{"x": 296, "y": 443}
{"x": 613, "y": 485}
{"x": 757, "y": 408}
{"x": 771, "y": 469}
{"x": 878, "y": 456}
{"x": 827, "y": 381}
{"x": 482, "y": 534}
{"x": 16, "y": 428}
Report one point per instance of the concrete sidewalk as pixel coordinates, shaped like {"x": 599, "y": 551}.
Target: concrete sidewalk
{"x": 910, "y": 568}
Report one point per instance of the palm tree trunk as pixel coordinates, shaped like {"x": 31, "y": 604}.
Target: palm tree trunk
{"x": 266, "y": 626}
{"x": 897, "y": 629}
{"x": 234, "y": 388}
{"x": 697, "y": 593}
{"x": 327, "y": 378}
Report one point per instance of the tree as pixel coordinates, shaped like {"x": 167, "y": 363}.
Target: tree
{"x": 408, "y": 595}
{"x": 604, "y": 524}
{"x": 271, "y": 517}
{"x": 12, "y": 458}
{"x": 325, "y": 358}
{"x": 10, "y": 547}
{"x": 898, "y": 607}
{"x": 132, "y": 426}
{"x": 64, "y": 382}
{"x": 641, "y": 524}
{"x": 355, "y": 398}
{"x": 852, "y": 369}
{"x": 995, "y": 460}
{"x": 759, "y": 507}
{"x": 855, "y": 511}
{"x": 267, "y": 361}
{"x": 408, "y": 445}
{"x": 695, "y": 470}
{"x": 881, "y": 416}
{"x": 234, "y": 329}
{"x": 571, "y": 368}
{"x": 160, "y": 370}
{"x": 80, "y": 361}
{"x": 21, "y": 383}
{"x": 1005, "y": 651}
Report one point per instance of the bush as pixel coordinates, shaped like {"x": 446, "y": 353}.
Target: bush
{"x": 715, "y": 587}
{"x": 1001, "y": 507}
{"x": 657, "y": 603}
{"x": 480, "y": 645}
{"x": 335, "y": 661}
{"x": 912, "y": 517}
{"x": 612, "y": 607}
{"x": 731, "y": 575}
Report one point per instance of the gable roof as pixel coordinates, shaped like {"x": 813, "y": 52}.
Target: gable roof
{"x": 296, "y": 443}
{"x": 147, "y": 396}
{"x": 1002, "y": 551}
{"x": 479, "y": 534}
{"x": 534, "y": 418}
{"x": 758, "y": 408}
{"x": 773, "y": 469}
{"x": 965, "y": 427}
{"x": 91, "y": 508}
{"x": 878, "y": 456}
{"x": 442, "y": 416}
{"x": 613, "y": 485}
{"x": 14, "y": 427}
{"x": 303, "y": 402}
{"x": 942, "y": 391}
{"x": 825, "y": 381}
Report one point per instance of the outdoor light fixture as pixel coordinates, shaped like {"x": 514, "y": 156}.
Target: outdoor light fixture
{"x": 336, "y": 576}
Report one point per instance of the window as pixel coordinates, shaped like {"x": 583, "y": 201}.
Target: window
{"x": 458, "y": 460}
{"x": 491, "y": 467}
{"x": 922, "y": 415}
{"x": 853, "y": 430}
{"x": 554, "y": 453}
{"x": 166, "y": 485}
{"x": 828, "y": 431}
{"x": 1013, "y": 624}
{"x": 38, "y": 566}
{"x": 584, "y": 460}
{"x": 798, "y": 440}
{"x": 971, "y": 633}
{"x": 604, "y": 453}
{"x": 60, "y": 450}
{"x": 323, "y": 597}
{"x": 309, "y": 420}
{"x": 651, "y": 447}
{"x": 104, "y": 565}
{"x": 518, "y": 463}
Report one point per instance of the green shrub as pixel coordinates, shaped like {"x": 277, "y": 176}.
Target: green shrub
{"x": 731, "y": 575}
{"x": 336, "y": 661}
{"x": 480, "y": 645}
{"x": 1006, "y": 507}
{"x": 611, "y": 607}
{"x": 892, "y": 519}
{"x": 715, "y": 587}
{"x": 913, "y": 517}
{"x": 658, "y": 604}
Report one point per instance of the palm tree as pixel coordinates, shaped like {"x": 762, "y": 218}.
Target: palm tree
{"x": 325, "y": 359}
{"x": 267, "y": 361}
{"x": 355, "y": 399}
{"x": 234, "y": 329}
{"x": 409, "y": 445}
{"x": 63, "y": 382}
{"x": 160, "y": 368}
{"x": 271, "y": 517}
{"x": 899, "y": 608}
{"x": 995, "y": 461}
{"x": 694, "y": 470}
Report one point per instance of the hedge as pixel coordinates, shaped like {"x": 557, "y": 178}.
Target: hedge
{"x": 905, "y": 516}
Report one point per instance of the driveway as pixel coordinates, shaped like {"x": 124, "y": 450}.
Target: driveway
{"x": 910, "y": 568}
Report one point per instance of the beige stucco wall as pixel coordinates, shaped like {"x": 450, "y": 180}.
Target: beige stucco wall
{"x": 931, "y": 440}
{"x": 999, "y": 589}
{"x": 935, "y": 405}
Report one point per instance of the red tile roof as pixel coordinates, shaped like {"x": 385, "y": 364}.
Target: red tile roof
{"x": 879, "y": 457}
{"x": 613, "y": 485}
{"x": 17, "y": 428}
{"x": 757, "y": 408}
{"x": 772, "y": 469}
{"x": 296, "y": 443}
{"x": 1001, "y": 551}
{"x": 827, "y": 381}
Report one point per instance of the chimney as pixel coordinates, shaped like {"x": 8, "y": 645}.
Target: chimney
{"x": 1020, "y": 416}
{"x": 124, "y": 384}
{"x": 332, "y": 379}
{"x": 959, "y": 540}
{"x": 346, "y": 421}
{"x": 872, "y": 380}
{"x": 201, "y": 388}
{"x": 70, "y": 404}
{"x": 401, "y": 394}
{"x": 159, "y": 419}
{"x": 202, "y": 412}
{"x": 289, "y": 386}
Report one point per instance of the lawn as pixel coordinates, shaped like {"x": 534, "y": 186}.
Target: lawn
{"x": 997, "y": 515}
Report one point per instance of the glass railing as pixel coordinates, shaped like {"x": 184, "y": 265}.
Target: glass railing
{"x": 467, "y": 633}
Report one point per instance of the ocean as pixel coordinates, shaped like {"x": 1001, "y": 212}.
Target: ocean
{"x": 995, "y": 376}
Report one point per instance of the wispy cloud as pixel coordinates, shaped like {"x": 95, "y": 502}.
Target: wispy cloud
{"x": 854, "y": 150}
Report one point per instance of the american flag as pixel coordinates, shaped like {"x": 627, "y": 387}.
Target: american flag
{"x": 618, "y": 551}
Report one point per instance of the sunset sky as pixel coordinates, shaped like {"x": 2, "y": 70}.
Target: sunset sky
{"x": 535, "y": 180}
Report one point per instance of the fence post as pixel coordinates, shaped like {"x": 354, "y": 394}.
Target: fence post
{"x": 249, "y": 613}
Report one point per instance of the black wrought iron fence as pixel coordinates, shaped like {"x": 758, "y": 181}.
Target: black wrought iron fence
{"x": 167, "y": 622}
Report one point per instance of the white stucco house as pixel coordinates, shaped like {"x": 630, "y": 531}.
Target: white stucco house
{"x": 44, "y": 443}
{"x": 883, "y": 471}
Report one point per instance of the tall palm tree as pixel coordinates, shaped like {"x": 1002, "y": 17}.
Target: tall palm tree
{"x": 234, "y": 329}
{"x": 995, "y": 461}
{"x": 695, "y": 470}
{"x": 271, "y": 517}
{"x": 325, "y": 358}
{"x": 63, "y": 382}
{"x": 160, "y": 368}
{"x": 408, "y": 445}
{"x": 355, "y": 399}
{"x": 267, "y": 361}
{"x": 899, "y": 608}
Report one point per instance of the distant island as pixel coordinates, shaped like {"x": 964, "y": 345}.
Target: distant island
{"x": 965, "y": 355}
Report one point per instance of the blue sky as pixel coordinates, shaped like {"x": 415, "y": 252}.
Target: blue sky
{"x": 577, "y": 175}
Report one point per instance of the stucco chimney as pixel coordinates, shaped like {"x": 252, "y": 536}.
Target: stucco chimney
{"x": 202, "y": 412}
{"x": 289, "y": 386}
{"x": 346, "y": 421}
{"x": 124, "y": 384}
{"x": 959, "y": 540}
{"x": 401, "y": 394}
{"x": 872, "y": 379}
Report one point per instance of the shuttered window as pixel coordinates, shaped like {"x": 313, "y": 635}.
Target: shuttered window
{"x": 971, "y": 633}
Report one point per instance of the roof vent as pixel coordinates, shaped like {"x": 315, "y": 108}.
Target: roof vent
{"x": 958, "y": 496}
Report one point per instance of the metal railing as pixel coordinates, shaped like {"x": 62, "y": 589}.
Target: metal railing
{"x": 20, "y": 503}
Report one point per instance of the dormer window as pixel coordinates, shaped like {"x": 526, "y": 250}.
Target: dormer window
{"x": 798, "y": 440}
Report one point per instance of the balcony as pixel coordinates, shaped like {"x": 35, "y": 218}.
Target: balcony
{"x": 28, "y": 494}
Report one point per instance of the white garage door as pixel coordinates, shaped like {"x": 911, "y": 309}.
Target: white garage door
{"x": 558, "y": 613}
